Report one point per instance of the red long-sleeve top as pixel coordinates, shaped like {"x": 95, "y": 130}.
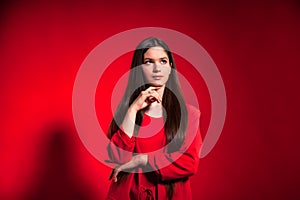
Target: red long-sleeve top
{"x": 149, "y": 182}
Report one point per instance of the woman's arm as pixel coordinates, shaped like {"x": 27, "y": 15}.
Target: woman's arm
{"x": 129, "y": 122}
{"x": 170, "y": 166}
{"x": 120, "y": 147}
{"x": 123, "y": 139}
{"x": 183, "y": 162}
{"x": 140, "y": 102}
{"x": 179, "y": 164}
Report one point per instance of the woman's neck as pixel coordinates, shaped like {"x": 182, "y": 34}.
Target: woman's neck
{"x": 161, "y": 90}
{"x": 155, "y": 110}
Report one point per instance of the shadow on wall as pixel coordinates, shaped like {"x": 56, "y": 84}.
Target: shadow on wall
{"x": 57, "y": 177}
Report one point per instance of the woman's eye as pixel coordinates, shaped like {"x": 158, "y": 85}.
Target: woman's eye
{"x": 163, "y": 62}
{"x": 147, "y": 62}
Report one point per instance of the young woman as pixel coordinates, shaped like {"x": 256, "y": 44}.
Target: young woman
{"x": 155, "y": 138}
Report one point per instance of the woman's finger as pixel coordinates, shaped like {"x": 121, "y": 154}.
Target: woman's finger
{"x": 155, "y": 95}
{"x": 152, "y": 88}
{"x": 133, "y": 163}
{"x": 146, "y": 95}
{"x": 152, "y": 93}
{"x": 119, "y": 169}
{"x": 115, "y": 175}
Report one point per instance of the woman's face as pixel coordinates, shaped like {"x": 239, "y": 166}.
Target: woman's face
{"x": 156, "y": 66}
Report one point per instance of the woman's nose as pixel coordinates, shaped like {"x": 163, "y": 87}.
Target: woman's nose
{"x": 156, "y": 67}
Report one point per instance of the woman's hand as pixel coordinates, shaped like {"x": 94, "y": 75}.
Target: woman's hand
{"x": 145, "y": 98}
{"x": 136, "y": 161}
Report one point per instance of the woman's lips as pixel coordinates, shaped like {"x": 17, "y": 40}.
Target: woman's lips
{"x": 157, "y": 77}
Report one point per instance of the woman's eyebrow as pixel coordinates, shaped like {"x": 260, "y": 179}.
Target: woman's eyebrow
{"x": 153, "y": 59}
{"x": 164, "y": 58}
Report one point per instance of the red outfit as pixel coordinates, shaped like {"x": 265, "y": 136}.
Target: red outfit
{"x": 147, "y": 182}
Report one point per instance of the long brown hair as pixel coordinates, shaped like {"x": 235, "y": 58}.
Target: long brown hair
{"x": 175, "y": 115}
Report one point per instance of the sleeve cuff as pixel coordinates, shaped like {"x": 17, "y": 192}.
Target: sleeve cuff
{"x": 152, "y": 163}
{"x": 125, "y": 137}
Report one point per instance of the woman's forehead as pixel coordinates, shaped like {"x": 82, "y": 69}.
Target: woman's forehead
{"x": 156, "y": 51}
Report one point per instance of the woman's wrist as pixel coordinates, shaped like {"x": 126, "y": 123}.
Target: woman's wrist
{"x": 144, "y": 159}
{"x": 132, "y": 110}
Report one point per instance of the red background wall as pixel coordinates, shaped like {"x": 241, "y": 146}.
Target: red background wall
{"x": 254, "y": 44}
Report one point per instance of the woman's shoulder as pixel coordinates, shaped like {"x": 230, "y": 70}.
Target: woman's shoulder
{"x": 192, "y": 109}
{"x": 193, "y": 112}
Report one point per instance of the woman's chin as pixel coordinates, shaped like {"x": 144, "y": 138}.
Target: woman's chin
{"x": 156, "y": 85}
